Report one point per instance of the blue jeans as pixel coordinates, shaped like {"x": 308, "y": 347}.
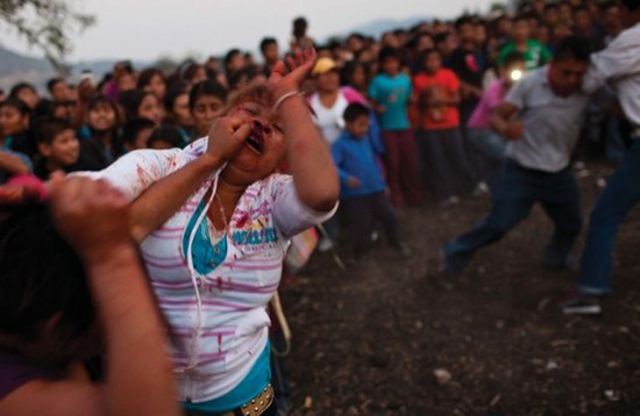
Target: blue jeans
{"x": 517, "y": 189}
{"x": 493, "y": 149}
{"x": 620, "y": 195}
{"x": 490, "y": 144}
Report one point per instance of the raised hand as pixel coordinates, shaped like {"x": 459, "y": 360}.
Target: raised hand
{"x": 287, "y": 75}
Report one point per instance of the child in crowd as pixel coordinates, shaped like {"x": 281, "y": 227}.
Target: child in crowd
{"x": 391, "y": 91}
{"x": 206, "y": 102}
{"x": 26, "y": 93}
{"x": 535, "y": 53}
{"x": 68, "y": 289}
{"x": 166, "y": 137}
{"x": 58, "y": 146}
{"x": 152, "y": 80}
{"x": 445, "y": 166}
{"x": 178, "y": 114}
{"x": 141, "y": 104}
{"x": 14, "y": 125}
{"x": 362, "y": 184}
{"x": 136, "y": 133}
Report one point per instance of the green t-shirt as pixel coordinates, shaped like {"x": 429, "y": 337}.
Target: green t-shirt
{"x": 535, "y": 56}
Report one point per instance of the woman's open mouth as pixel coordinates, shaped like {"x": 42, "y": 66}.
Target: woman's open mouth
{"x": 255, "y": 141}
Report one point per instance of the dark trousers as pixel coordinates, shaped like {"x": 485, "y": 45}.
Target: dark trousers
{"x": 403, "y": 173}
{"x": 517, "y": 190}
{"x": 363, "y": 212}
{"x": 620, "y": 195}
{"x": 445, "y": 168}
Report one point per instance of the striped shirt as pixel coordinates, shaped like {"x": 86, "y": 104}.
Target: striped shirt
{"x": 219, "y": 315}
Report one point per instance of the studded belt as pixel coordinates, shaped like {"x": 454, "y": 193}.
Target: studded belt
{"x": 255, "y": 407}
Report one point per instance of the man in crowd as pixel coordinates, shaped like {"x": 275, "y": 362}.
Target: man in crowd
{"x": 619, "y": 65}
{"x": 542, "y": 117}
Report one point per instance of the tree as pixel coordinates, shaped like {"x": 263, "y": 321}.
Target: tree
{"x": 46, "y": 25}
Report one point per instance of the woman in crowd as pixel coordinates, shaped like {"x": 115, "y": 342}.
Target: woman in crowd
{"x": 137, "y": 104}
{"x": 206, "y": 102}
{"x": 217, "y": 260}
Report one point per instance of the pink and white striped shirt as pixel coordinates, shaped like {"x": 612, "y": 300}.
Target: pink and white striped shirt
{"x": 219, "y": 318}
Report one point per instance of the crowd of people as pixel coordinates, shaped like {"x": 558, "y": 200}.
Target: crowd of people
{"x": 217, "y": 165}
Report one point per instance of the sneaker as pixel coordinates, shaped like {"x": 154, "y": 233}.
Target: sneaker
{"x": 582, "y": 305}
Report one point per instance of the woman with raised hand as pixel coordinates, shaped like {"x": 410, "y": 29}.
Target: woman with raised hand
{"x": 215, "y": 220}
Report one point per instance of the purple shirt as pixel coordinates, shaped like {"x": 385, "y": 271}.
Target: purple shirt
{"x": 491, "y": 99}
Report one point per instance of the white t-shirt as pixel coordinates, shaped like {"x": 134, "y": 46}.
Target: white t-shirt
{"x": 219, "y": 318}
{"x": 330, "y": 120}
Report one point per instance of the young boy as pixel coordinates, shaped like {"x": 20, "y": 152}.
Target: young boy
{"x": 535, "y": 53}
{"x": 391, "y": 92}
{"x": 58, "y": 146}
{"x": 363, "y": 187}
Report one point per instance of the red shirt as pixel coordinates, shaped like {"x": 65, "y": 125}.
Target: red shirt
{"x": 441, "y": 85}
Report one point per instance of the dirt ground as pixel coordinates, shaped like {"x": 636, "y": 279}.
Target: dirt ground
{"x": 368, "y": 341}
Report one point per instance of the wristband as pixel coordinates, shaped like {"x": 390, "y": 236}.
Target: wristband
{"x": 283, "y": 98}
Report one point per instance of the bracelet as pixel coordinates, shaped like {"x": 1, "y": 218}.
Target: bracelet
{"x": 283, "y": 98}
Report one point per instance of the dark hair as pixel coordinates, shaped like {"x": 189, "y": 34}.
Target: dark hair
{"x": 424, "y": 55}
{"x": 609, "y": 5}
{"x": 390, "y": 53}
{"x": 203, "y": 88}
{"x": 42, "y": 277}
{"x": 172, "y": 96}
{"x": 191, "y": 70}
{"x": 147, "y": 75}
{"x": 463, "y": 20}
{"x": 266, "y": 42}
{"x": 513, "y": 57}
{"x": 632, "y": 5}
{"x": 169, "y": 134}
{"x": 19, "y": 87}
{"x": 354, "y": 111}
{"x": 521, "y": 18}
{"x": 52, "y": 83}
{"x": 441, "y": 38}
{"x": 99, "y": 100}
{"x": 131, "y": 101}
{"x": 300, "y": 23}
{"x": 349, "y": 69}
{"x": 229, "y": 57}
{"x": 573, "y": 47}
{"x": 19, "y": 105}
{"x": 133, "y": 127}
{"x": 47, "y": 128}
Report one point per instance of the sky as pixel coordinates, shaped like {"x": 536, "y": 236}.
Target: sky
{"x": 148, "y": 29}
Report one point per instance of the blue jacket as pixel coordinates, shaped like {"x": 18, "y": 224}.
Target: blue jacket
{"x": 357, "y": 157}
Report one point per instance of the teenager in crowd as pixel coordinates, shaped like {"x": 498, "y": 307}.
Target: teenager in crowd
{"x": 390, "y": 92}
{"x": 207, "y": 99}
